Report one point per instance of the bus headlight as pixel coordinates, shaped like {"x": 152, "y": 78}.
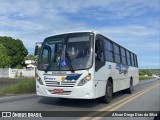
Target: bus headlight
{"x": 39, "y": 80}
{"x": 84, "y": 80}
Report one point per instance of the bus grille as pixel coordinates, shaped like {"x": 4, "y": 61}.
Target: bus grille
{"x": 62, "y": 84}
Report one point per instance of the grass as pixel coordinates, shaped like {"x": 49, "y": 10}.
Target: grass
{"x": 28, "y": 86}
{"x": 145, "y": 78}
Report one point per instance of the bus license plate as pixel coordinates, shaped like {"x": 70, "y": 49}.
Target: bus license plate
{"x": 58, "y": 90}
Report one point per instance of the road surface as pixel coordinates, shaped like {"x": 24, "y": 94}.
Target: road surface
{"x": 145, "y": 97}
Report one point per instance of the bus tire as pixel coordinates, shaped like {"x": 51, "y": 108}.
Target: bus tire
{"x": 108, "y": 93}
{"x": 130, "y": 89}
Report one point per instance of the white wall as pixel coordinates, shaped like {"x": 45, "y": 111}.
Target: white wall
{"x": 21, "y": 72}
{"x": 4, "y": 72}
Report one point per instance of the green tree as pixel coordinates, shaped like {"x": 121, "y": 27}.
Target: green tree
{"x": 14, "y": 51}
{"x": 31, "y": 57}
{"x": 145, "y": 72}
{"x": 5, "y": 60}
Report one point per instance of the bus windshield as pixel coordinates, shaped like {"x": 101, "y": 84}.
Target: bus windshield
{"x": 66, "y": 52}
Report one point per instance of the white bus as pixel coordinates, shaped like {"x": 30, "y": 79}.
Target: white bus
{"x": 84, "y": 65}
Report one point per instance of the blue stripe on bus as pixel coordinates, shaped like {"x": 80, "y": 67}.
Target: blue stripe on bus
{"x": 73, "y": 77}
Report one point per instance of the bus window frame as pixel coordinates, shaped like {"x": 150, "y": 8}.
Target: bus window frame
{"x": 112, "y": 42}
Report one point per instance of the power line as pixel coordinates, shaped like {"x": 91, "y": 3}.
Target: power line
{"x": 17, "y": 26}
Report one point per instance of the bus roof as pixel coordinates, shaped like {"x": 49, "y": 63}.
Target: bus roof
{"x": 95, "y": 32}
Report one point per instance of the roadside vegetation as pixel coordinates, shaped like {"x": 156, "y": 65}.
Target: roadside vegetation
{"x": 146, "y": 74}
{"x": 145, "y": 77}
{"x": 22, "y": 87}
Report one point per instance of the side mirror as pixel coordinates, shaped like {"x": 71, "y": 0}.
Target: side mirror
{"x": 37, "y": 48}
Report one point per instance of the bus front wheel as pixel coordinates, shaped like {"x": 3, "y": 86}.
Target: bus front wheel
{"x": 108, "y": 93}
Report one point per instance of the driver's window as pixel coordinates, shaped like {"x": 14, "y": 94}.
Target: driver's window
{"x": 99, "y": 50}
{"x": 99, "y": 57}
{"x": 45, "y": 56}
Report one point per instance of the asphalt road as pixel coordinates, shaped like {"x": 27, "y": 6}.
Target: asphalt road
{"x": 146, "y": 97}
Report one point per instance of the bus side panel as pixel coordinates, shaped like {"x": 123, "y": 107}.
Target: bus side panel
{"x": 120, "y": 74}
{"x": 100, "y": 81}
{"x": 118, "y": 77}
{"x": 101, "y": 77}
{"x": 134, "y": 74}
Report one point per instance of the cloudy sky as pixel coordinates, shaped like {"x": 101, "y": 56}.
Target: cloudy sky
{"x": 135, "y": 24}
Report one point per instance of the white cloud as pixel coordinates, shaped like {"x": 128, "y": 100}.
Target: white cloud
{"x": 19, "y": 7}
{"x": 116, "y": 8}
{"x": 131, "y": 30}
{"x": 113, "y": 9}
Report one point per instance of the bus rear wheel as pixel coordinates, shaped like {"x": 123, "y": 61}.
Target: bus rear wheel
{"x": 108, "y": 93}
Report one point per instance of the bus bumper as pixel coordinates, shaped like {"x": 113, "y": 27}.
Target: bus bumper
{"x": 78, "y": 92}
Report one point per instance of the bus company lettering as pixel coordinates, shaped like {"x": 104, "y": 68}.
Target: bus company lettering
{"x": 122, "y": 68}
{"x": 49, "y": 78}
